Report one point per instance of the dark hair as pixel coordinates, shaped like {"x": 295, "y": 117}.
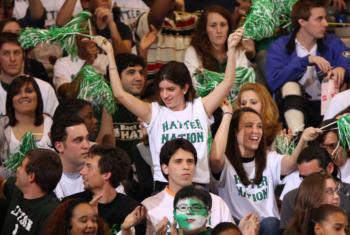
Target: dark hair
{"x": 178, "y": 74}
{"x": 320, "y": 214}
{"x": 125, "y": 60}
{"x": 7, "y": 37}
{"x": 309, "y": 196}
{"x": 15, "y": 88}
{"x": 112, "y": 159}
{"x": 315, "y": 152}
{"x": 193, "y": 191}
{"x": 225, "y": 226}
{"x": 46, "y": 166}
{"x": 58, "y": 130}
{"x": 234, "y": 155}
{"x": 170, "y": 148}
{"x": 4, "y": 22}
{"x": 302, "y": 10}
{"x": 70, "y": 107}
{"x": 59, "y": 222}
{"x": 200, "y": 40}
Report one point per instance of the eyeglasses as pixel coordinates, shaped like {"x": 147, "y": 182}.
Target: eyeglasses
{"x": 332, "y": 191}
{"x": 193, "y": 208}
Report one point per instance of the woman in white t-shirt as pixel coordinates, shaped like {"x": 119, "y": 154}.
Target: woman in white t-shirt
{"x": 245, "y": 173}
{"x": 178, "y": 113}
{"x": 24, "y": 110}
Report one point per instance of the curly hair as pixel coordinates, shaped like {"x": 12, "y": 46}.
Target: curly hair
{"x": 269, "y": 111}
{"x": 200, "y": 40}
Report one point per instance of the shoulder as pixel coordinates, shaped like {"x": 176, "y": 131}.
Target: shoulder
{"x": 153, "y": 201}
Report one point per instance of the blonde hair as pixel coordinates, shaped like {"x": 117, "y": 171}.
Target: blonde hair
{"x": 269, "y": 111}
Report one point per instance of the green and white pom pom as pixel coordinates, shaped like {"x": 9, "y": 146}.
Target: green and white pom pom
{"x": 27, "y": 143}
{"x": 266, "y": 16}
{"x": 344, "y": 131}
{"x": 65, "y": 36}
{"x": 284, "y": 145}
{"x": 95, "y": 89}
{"x": 207, "y": 80}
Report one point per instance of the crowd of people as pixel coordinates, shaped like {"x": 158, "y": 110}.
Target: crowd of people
{"x": 169, "y": 161}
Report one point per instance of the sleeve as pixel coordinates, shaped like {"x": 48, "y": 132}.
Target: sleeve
{"x": 220, "y": 183}
{"x": 225, "y": 211}
{"x": 61, "y": 74}
{"x": 341, "y": 56}
{"x": 287, "y": 209}
{"x": 274, "y": 162}
{"x": 124, "y": 30}
{"x": 142, "y": 26}
{"x": 281, "y": 68}
{"x": 155, "y": 112}
{"x": 192, "y": 63}
{"x": 52, "y": 101}
{"x": 10, "y": 188}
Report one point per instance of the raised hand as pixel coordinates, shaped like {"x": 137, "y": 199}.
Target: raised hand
{"x": 235, "y": 38}
{"x": 104, "y": 44}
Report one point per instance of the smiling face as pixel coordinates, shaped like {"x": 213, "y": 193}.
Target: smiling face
{"x": 249, "y": 133}
{"x": 84, "y": 220}
{"x": 217, "y": 29}
{"x": 26, "y": 100}
{"x": 133, "y": 79}
{"x": 172, "y": 95}
{"x": 191, "y": 214}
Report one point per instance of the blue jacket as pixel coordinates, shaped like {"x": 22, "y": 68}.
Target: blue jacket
{"x": 283, "y": 65}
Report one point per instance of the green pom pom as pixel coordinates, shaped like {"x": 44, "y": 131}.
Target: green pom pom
{"x": 284, "y": 145}
{"x": 207, "y": 80}
{"x": 65, "y": 36}
{"x": 344, "y": 131}
{"x": 27, "y": 143}
{"x": 95, "y": 89}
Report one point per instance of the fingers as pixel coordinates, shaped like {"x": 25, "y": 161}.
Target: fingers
{"x": 161, "y": 227}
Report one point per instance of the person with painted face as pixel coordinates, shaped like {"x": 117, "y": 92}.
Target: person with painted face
{"x": 192, "y": 206}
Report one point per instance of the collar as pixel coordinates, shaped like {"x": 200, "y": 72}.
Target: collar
{"x": 169, "y": 191}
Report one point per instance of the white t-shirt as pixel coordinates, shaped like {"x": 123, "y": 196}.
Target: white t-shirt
{"x": 259, "y": 199}
{"x": 161, "y": 205}
{"x": 193, "y": 62}
{"x": 48, "y": 94}
{"x": 130, "y": 11}
{"x": 192, "y": 124}
{"x": 52, "y": 8}
{"x": 291, "y": 181}
{"x": 44, "y": 142}
{"x": 66, "y": 68}
{"x": 69, "y": 184}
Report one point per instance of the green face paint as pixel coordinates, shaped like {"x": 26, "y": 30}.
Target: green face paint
{"x": 191, "y": 214}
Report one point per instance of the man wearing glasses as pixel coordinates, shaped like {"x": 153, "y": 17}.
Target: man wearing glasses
{"x": 313, "y": 159}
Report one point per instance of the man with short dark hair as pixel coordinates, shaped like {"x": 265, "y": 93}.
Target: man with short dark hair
{"x": 178, "y": 160}
{"x": 31, "y": 192}
{"x": 104, "y": 169}
{"x": 297, "y": 64}
{"x": 312, "y": 159}
{"x": 12, "y": 65}
{"x": 69, "y": 137}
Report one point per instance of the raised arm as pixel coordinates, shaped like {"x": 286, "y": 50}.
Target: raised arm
{"x": 138, "y": 107}
{"x": 66, "y": 12}
{"x": 2, "y": 185}
{"x": 106, "y": 133}
{"x": 158, "y": 11}
{"x": 218, "y": 146}
{"x": 36, "y": 9}
{"x": 212, "y": 101}
{"x": 289, "y": 163}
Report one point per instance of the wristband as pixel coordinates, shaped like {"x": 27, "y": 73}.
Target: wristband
{"x": 227, "y": 113}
